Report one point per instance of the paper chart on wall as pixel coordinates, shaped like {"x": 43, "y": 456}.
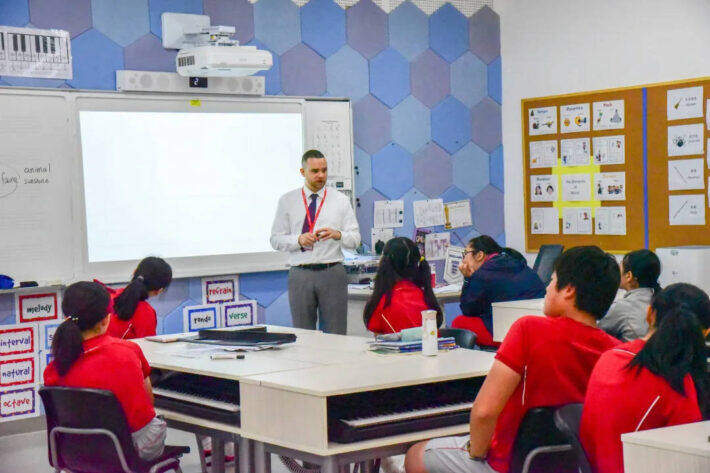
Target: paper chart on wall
{"x": 610, "y": 221}
{"x": 684, "y": 140}
{"x": 543, "y": 154}
{"x": 574, "y": 152}
{"x": 608, "y": 115}
{"x": 428, "y": 213}
{"x": 684, "y": 103}
{"x": 436, "y": 244}
{"x": 576, "y": 187}
{"x": 577, "y": 220}
{"x": 544, "y": 220}
{"x": 685, "y": 174}
{"x": 389, "y": 213}
{"x": 543, "y": 188}
{"x": 574, "y": 118}
{"x": 542, "y": 121}
{"x": 686, "y": 209}
{"x": 380, "y": 234}
{"x": 609, "y": 149}
{"x": 610, "y": 185}
{"x": 458, "y": 214}
{"x": 454, "y": 256}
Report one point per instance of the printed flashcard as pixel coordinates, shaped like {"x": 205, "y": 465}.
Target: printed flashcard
{"x": 685, "y": 103}
{"x": 458, "y": 214}
{"x": 220, "y": 289}
{"x": 380, "y": 234}
{"x": 609, "y": 149}
{"x": 685, "y": 140}
{"x": 576, "y": 187}
{"x": 428, "y": 213}
{"x": 388, "y": 213}
{"x": 608, "y": 115}
{"x": 574, "y": 118}
{"x": 436, "y": 244}
{"x": 688, "y": 209}
{"x": 37, "y": 307}
{"x": 575, "y": 152}
{"x": 610, "y": 186}
{"x": 684, "y": 174}
{"x": 19, "y": 370}
{"x": 454, "y": 256}
{"x": 18, "y": 339}
{"x": 239, "y": 313}
{"x": 543, "y": 188}
{"x": 543, "y": 154}
{"x": 544, "y": 220}
{"x": 45, "y": 332}
{"x": 18, "y": 403}
{"x": 542, "y": 121}
{"x": 610, "y": 221}
{"x": 577, "y": 220}
{"x": 200, "y": 317}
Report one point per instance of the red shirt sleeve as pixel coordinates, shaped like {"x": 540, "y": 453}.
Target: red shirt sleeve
{"x": 377, "y": 324}
{"x": 144, "y": 320}
{"x": 145, "y": 367}
{"x": 513, "y": 352}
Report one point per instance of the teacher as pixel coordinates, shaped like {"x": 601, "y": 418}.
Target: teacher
{"x": 313, "y": 224}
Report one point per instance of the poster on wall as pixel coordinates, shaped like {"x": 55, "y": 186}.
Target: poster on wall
{"x": 220, "y": 289}
{"x": 608, "y": 115}
{"x": 454, "y": 256}
{"x": 543, "y": 188}
{"x": 577, "y": 220}
{"x": 684, "y": 103}
{"x": 576, "y": 187}
{"x": 609, "y": 149}
{"x": 37, "y": 307}
{"x": 686, "y": 174}
{"x": 239, "y": 313}
{"x": 684, "y": 140}
{"x": 18, "y": 339}
{"x": 543, "y": 154}
{"x": 574, "y": 118}
{"x": 542, "y": 121}
{"x": 610, "y": 185}
{"x": 687, "y": 209}
{"x": 575, "y": 152}
{"x": 17, "y": 403}
{"x": 610, "y": 221}
{"x": 544, "y": 220}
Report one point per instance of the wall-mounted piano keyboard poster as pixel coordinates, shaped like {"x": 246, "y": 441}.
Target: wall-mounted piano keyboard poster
{"x": 583, "y": 152}
{"x": 31, "y": 52}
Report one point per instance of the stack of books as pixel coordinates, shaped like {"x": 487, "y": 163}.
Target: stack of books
{"x": 445, "y": 343}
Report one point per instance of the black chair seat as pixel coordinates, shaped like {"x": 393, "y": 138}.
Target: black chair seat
{"x": 463, "y": 338}
{"x": 536, "y": 436}
{"x": 568, "y": 419}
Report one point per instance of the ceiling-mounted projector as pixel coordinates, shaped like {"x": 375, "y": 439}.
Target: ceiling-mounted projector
{"x": 209, "y": 51}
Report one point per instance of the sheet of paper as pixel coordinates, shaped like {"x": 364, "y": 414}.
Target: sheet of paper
{"x": 31, "y": 52}
{"x": 610, "y": 185}
{"x": 575, "y": 152}
{"x": 454, "y": 256}
{"x": 609, "y": 149}
{"x": 687, "y": 209}
{"x": 419, "y": 239}
{"x": 544, "y": 220}
{"x": 543, "y": 154}
{"x": 429, "y": 213}
{"x": 685, "y": 174}
{"x": 542, "y": 121}
{"x": 389, "y": 213}
{"x": 458, "y": 214}
{"x": 610, "y": 221}
{"x": 543, "y": 188}
{"x": 574, "y": 118}
{"x": 380, "y": 234}
{"x": 576, "y": 187}
{"x": 685, "y": 103}
{"x": 577, "y": 220}
{"x": 685, "y": 140}
{"x": 436, "y": 245}
{"x": 608, "y": 115}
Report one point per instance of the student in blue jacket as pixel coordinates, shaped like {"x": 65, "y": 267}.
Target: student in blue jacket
{"x": 492, "y": 274}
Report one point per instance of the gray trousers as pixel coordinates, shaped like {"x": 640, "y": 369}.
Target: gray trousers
{"x": 322, "y": 295}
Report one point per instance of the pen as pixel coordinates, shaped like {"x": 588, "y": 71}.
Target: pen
{"x": 227, "y": 356}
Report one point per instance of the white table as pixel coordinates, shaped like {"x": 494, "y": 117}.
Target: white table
{"x": 678, "y": 449}
{"x": 506, "y": 313}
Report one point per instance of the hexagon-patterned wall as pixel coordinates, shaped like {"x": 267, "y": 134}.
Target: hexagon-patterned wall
{"x": 424, "y": 77}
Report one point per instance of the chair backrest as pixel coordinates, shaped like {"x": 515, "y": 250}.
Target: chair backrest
{"x": 464, "y": 338}
{"x": 87, "y": 409}
{"x": 545, "y": 260}
{"x": 537, "y": 429}
{"x": 567, "y": 419}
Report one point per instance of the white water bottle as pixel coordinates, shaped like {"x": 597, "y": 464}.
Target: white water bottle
{"x": 430, "y": 338}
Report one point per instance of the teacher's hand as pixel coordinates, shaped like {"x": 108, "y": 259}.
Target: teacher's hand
{"x": 326, "y": 233}
{"x": 307, "y": 239}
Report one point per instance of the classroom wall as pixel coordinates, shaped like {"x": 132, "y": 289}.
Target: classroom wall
{"x": 552, "y": 47}
{"x": 424, "y": 77}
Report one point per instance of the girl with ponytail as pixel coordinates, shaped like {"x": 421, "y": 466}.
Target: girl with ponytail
{"x": 656, "y": 381}
{"x": 85, "y": 356}
{"x": 402, "y": 290}
{"x": 133, "y": 316}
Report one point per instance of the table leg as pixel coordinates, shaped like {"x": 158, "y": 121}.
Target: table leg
{"x": 245, "y": 456}
{"x": 330, "y": 465}
{"x": 262, "y": 459}
{"x": 217, "y": 455}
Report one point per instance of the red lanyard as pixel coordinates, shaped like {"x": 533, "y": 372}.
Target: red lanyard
{"x": 312, "y": 224}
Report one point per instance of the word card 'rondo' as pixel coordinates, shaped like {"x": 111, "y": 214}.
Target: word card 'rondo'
{"x": 37, "y": 307}
{"x": 239, "y": 313}
{"x": 19, "y": 370}
{"x": 18, "y": 339}
{"x": 199, "y": 317}
{"x": 46, "y": 334}
{"x": 20, "y": 403}
{"x": 220, "y": 289}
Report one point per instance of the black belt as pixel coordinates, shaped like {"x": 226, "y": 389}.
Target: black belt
{"x": 317, "y": 266}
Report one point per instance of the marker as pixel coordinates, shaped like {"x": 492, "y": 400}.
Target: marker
{"x": 227, "y": 356}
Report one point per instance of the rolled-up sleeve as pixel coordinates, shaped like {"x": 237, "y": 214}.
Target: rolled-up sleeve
{"x": 350, "y": 233}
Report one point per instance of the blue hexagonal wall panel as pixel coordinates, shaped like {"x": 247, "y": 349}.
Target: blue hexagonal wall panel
{"x": 237, "y": 13}
{"x": 488, "y": 211}
{"x": 14, "y": 13}
{"x": 469, "y": 77}
{"x": 323, "y": 26}
{"x": 123, "y": 22}
{"x": 74, "y": 16}
{"x": 430, "y": 77}
{"x": 451, "y": 125}
{"x": 411, "y": 124}
{"x": 272, "y": 76}
{"x": 495, "y": 81}
{"x": 484, "y": 34}
{"x": 486, "y": 124}
{"x": 363, "y": 172}
{"x": 364, "y": 211}
{"x": 409, "y": 30}
{"x": 3, "y": 83}
{"x": 432, "y": 170}
{"x": 371, "y": 124}
{"x": 148, "y": 54}
{"x": 263, "y": 287}
{"x": 157, "y": 7}
{"x": 389, "y": 77}
{"x": 448, "y": 32}
{"x": 302, "y": 71}
{"x": 496, "y": 168}
{"x": 367, "y": 28}
{"x": 279, "y": 312}
{"x": 392, "y": 172}
{"x": 471, "y": 169}
{"x": 32, "y": 82}
{"x": 96, "y": 59}
{"x": 347, "y": 74}
{"x": 277, "y": 24}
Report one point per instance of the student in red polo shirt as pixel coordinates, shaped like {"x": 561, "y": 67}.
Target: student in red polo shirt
{"x": 132, "y": 315}
{"x": 655, "y": 381}
{"x": 543, "y": 361}
{"x": 402, "y": 290}
{"x": 85, "y": 356}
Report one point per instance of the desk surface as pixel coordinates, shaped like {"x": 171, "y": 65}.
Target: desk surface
{"x": 687, "y": 438}
{"x": 531, "y": 304}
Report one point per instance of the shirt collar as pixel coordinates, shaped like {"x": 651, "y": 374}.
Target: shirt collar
{"x": 308, "y": 192}
{"x": 93, "y": 342}
{"x": 639, "y": 292}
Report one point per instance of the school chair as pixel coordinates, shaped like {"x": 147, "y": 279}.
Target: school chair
{"x": 463, "y": 338}
{"x": 87, "y": 432}
{"x": 567, "y": 419}
{"x": 538, "y": 436}
{"x": 545, "y": 261}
